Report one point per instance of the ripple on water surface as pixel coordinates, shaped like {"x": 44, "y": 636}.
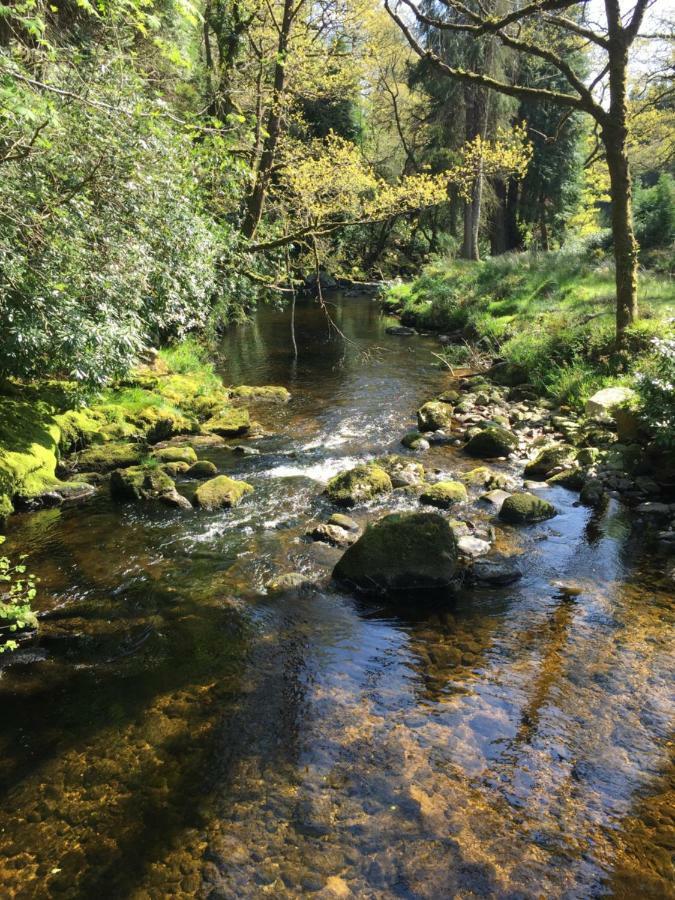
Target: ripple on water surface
{"x": 179, "y": 733}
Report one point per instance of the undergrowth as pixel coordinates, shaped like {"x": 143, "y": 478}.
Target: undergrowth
{"x": 552, "y": 313}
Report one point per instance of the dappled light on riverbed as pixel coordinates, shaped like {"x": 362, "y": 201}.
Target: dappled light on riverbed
{"x": 177, "y": 732}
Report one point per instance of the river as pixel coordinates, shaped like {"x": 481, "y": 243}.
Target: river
{"x": 176, "y": 732}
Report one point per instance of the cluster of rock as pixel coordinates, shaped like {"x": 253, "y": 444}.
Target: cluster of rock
{"x": 498, "y": 417}
{"x": 142, "y": 470}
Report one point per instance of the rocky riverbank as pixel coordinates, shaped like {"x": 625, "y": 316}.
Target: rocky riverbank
{"x": 133, "y": 439}
{"x": 524, "y": 445}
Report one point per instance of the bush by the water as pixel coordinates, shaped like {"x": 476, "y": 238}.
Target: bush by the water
{"x": 656, "y": 389}
{"x": 17, "y": 591}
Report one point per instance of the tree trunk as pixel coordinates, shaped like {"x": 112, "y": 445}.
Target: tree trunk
{"x": 614, "y": 136}
{"x": 625, "y": 245}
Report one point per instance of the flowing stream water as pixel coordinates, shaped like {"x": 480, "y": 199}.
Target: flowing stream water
{"x": 175, "y": 732}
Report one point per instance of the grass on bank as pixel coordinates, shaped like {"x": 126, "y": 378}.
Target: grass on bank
{"x": 550, "y": 312}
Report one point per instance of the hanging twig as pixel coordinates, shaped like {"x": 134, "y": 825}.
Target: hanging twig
{"x": 289, "y": 275}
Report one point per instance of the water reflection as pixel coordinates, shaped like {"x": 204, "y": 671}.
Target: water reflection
{"x": 179, "y": 733}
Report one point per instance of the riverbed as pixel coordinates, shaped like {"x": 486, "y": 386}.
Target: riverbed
{"x": 178, "y": 732}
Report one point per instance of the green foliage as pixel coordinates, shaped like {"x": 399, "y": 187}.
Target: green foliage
{"x": 17, "y": 591}
{"x": 654, "y": 210}
{"x": 655, "y": 384}
{"x": 551, "y": 313}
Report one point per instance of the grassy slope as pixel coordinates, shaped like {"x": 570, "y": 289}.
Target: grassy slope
{"x": 551, "y": 312}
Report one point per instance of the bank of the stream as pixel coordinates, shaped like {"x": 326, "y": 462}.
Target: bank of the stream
{"x": 183, "y": 728}
{"x": 550, "y": 313}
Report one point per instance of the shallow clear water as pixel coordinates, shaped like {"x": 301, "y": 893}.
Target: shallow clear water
{"x": 175, "y": 732}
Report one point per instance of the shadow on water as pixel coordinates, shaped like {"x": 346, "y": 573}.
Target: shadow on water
{"x": 176, "y": 732}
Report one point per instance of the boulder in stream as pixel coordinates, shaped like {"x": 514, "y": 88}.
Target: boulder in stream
{"x": 444, "y": 494}
{"x": 221, "y": 492}
{"x": 402, "y": 552}
{"x": 402, "y": 470}
{"x": 203, "y": 468}
{"x": 229, "y": 422}
{"x": 415, "y": 440}
{"x": 358, "y": 485}
{"x": 490, "y": 443}
{"x": 549, "y": 459}
{"x": 434, "y": 415}
{"x": 524, "y": 508}
{"x": 140, "y": 483}
{"x": 332, "y": 534}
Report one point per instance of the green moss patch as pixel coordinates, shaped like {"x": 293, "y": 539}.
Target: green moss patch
{"x": 444, "y": 494}
{"x": 221, "y": 492}
{"x": 358, "y": 485}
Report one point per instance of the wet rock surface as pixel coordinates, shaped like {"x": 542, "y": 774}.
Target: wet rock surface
{"x": 180, "y": 730}
{"x": 402, "y": 552}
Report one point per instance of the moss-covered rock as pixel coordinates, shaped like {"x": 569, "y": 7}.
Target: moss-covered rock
{"x": 402, "y": 470}
{"x": 105, "y": 457}
{"x": 264, "y": 394}
{"x": 140, "y": 483}
{"x": 81, "y": 427}
{"x": 160, "y": 423}
{"x": 523, "y": 508}
{"x": 415, "y": 440}
{"x": 203, "y": 468}
{"x": 491, "y": 443}
{"x": 444, "y": 494}
{"x": 434, "y": 415}
{"x": 548, "y": 459}
{"x": 401, "y": 553}
{"x": 588, "y": 456}
{"x": 332, "y": 534}
{"x": 175, "y": 455}
{"x": 343, "y": 521}
{"x": 572, "y": 478}
{"x": 173, "y": 469}
{"x": 358, "y": 485}
{"x": 449, "y": 396}
{"x": 477, "y": 477}
{"x": 221, "y": 492}
{"x": 229, "y": 422}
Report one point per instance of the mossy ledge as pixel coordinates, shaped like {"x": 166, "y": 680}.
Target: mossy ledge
{"x": 51, "y": 429}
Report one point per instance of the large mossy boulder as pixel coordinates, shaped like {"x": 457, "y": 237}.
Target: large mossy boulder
{"x": 548, "y": 459}
{"x": 444, "y": 494}
{"x": 491, "y": 443}
{"x": 403, "y": 552}
{"x": 402, "y": 470}
{"x": 229, "y": 422}
{"x": 358, "y": 485}
{"x": 106, "y": 457}
{"x": 434, "y": 415}
{"x": 221, "y": 492}
{"x": 263, "y": 394}
{"x": 524, "y": 508}
{"x": 140, "y": 483}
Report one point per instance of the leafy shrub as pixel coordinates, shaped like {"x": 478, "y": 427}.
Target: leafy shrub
{"x": 17, "y": 590}
{"x": 106, "y": 240}
{"x": 656, "y": 390}
{"x": 654, "y": 211}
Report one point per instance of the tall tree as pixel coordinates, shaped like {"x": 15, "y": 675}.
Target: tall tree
{"x": 549, "y": 30}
